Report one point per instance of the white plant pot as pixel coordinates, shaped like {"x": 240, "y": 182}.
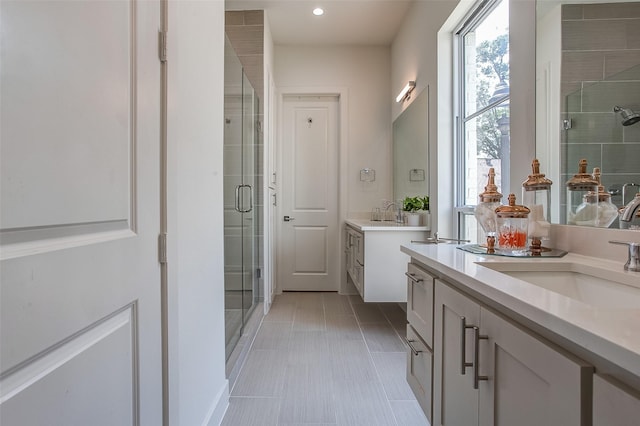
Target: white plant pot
{"x": 413, "y": 219}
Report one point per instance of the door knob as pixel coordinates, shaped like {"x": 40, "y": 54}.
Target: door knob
{"x": 289, "y": 219}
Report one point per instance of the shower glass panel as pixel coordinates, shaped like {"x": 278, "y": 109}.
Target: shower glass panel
{"x": 594, "y": 130}
{"x": 240, "y": 144}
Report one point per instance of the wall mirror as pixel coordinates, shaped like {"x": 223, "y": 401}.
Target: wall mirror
{"x": 411, "y": 150}
{"x": 587, "y": 64}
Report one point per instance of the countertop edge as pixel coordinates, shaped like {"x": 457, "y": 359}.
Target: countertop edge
{"x": 367, "y": 225}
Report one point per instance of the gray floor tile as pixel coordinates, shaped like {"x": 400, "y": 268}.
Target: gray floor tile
{"x": 252, "y": 412}
{"x": 308, "y": 396}
{"x": 281, "y": 312}
{"x": 273, "y": 335}
{"x": 382, "y": 338}
{"x": 309, "y": 319}
{"x": 369, "y": 313}
{"x": 335, "y": 303}
{"x": 310, "y": 300}
{"x": 394, "y": 313}
{"x": 343, "y": 327}
{"x": 262, "y": 374}
{"x": 355, "y": 298}
{"x": 350, "y": 360}
{"x": 308, "y": 347}
{"x": 392, "y": 369}
{"x": 311, "y": 365}
{"x": 408, "y": 413}
{"x": 362, "y": 403}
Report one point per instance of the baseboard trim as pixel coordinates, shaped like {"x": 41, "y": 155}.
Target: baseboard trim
{"x": 219, "y": 407}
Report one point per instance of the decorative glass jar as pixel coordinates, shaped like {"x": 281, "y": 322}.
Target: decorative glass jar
{"x": 582, "y": 209}
{"x": 536, "y": 195}
{"x": 485, "y": 211}
{"x": 607, "y": 212}
{"x": 512, "y": 224}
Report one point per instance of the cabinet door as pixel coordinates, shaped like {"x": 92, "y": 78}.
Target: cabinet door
{"x": 614, "y": 404}
{"x": 419, "y": 370}
{"x": 529, "y": 381}
{"x": 455, "y": 400}
{"x": 359, "y": 246}
{"x": 420, "y": 302}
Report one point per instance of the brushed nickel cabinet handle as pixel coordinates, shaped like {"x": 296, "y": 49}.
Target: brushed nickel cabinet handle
{"x": 413, "y": 349}
{"x": 476, "y": 357}
{"x": 463, "y": 345}
{"x": 413, "y": 278}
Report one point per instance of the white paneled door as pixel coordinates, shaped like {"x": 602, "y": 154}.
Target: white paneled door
{"x": 80, "y": 213}
{"x": 308, "y": 242}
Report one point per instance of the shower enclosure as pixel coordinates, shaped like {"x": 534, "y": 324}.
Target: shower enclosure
{"x": 600, "y": 124}
{"x": 241, "y": 225}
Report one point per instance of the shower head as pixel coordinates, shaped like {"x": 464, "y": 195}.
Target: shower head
{"x": 628, "y": 116}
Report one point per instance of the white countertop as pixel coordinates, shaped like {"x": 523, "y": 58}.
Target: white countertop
{"x": 370, "y": 225}
{"x": 612, "y": 333}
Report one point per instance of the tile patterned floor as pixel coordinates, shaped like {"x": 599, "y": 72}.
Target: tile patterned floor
{"x": 326, "y": 359}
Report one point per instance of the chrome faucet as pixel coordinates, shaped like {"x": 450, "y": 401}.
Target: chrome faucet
{"x": 629, "y": 211}
{"x": 398, "y": 210}
{"x": 633, "y": 261}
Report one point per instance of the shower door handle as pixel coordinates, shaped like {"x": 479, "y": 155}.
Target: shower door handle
{"x": 239, "y": 188}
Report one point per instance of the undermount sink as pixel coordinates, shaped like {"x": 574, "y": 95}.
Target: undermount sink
{"x": 600, "y": 287}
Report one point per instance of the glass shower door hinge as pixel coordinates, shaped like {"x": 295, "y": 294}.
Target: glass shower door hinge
{"x": 567, "y": 124}
{"x": 258, "y": 272}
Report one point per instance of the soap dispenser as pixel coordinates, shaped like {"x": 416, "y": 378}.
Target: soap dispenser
{"x": 582, "y": 210}
{"x": 512, "y": 227}
{"x": 485, "y": 210}
{"x": 606, "y": 210}
{"x": 536, "y": 195}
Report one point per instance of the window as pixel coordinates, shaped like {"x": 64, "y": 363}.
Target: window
{"x": 482, "y": 117}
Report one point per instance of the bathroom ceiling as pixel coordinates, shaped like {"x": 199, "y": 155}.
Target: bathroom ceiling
{"x": 345, "y": 22}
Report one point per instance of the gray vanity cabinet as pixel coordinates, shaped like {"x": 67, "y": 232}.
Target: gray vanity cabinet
{"x": 490, "y": 371}
{"x": 614, "y": 404}
{"x": 420, "y": 335}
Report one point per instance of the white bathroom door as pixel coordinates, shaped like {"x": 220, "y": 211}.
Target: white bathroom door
{"x": 308, "y": 246}
{"x": 80, "y": 314}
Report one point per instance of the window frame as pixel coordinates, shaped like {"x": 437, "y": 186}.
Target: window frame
{"x": 476, "y": 16}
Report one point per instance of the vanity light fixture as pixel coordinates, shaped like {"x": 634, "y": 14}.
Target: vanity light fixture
{"x": 318, "y": 11}
{"x": 405, "y": 93}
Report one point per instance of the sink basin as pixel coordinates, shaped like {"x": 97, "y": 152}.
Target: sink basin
{"x": 600, "y": 287}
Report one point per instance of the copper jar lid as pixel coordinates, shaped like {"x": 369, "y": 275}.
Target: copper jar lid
{"x": 536, "y": 181}
{"x": 512, "y": 210}
{"x": 490, "y": 194}
{"x": 581, "y": 181}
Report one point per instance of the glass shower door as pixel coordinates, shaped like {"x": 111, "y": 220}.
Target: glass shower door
{"x": 247, "y": 197}
{"x": 239, "y": 199}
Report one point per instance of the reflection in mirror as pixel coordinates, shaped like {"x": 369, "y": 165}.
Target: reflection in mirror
{"x": 411, "y": 150}
{"x": 588, "y": 63}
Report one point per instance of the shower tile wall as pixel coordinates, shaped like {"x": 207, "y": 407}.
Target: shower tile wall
{"x": 601, "y": 69}
{"x": 245, "y": 31}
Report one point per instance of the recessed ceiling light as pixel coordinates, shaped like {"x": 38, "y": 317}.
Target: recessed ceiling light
{"x": 318, "y": 11}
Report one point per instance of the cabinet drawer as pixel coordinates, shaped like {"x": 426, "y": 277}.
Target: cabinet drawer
{"x": 614, "y": 404}
{"x": 420, "y": 302}
{"x": 419, "y": 370}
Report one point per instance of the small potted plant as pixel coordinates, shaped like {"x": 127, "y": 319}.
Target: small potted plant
{"x": 411, "y": 205}
{"x": 426, "y": 218}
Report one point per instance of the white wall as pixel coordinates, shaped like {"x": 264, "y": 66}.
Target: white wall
{"x": 423, "y": 51}
{"x": 365, "y": 73}
{"x": 414, "y": 56}
{"x": 198, "y": 387}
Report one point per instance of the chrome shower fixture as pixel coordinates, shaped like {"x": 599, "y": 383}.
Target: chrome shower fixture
{"x": 628, "y": 116}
